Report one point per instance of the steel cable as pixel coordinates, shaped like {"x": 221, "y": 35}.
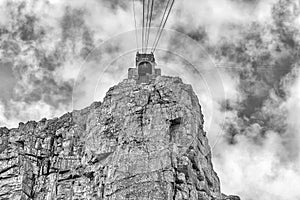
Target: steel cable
{"x": 160, "y": 25}
{"x": 150, "y": 21}
{"x": 147, "y": 21}
{"x": 143, "y": 25}
{"x": 136, "y": 31}
{"x": 163, "y": 25}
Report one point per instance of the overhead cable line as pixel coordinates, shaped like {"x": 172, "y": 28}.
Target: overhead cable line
{"x": 148, "y": 8}
{"x": 160, "y": 25}
{"x": 150, "y": 20}
{"x": 143, "y": 25}
{"x": 164, "y": 24}
{"x": 136, "y": 31}
{"x": 147, "y": 21}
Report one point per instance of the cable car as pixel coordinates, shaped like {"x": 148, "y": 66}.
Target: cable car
{"x": 145, "y": 68}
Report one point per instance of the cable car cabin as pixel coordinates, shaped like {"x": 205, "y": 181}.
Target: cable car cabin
{"x": 145, "y": 68}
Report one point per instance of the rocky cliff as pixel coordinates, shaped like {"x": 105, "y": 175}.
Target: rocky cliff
{"x": 142, "y": 142}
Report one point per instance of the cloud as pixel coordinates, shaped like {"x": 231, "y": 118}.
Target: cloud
{"x": 23, "y": 112}
{"x": 47, "y": 43}
{"x": 267, "y": 169}
{"x": 255, "y": 171}
{"x": 220, "y": 18}
{"x": 254, "y": 43}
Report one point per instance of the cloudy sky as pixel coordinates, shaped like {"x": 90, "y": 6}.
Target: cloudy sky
{"x": 241, "y": 57}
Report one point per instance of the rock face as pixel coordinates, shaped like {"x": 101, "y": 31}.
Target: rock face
{"x": 142, "y": 142}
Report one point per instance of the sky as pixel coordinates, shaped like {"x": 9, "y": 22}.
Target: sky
{"x": 241, "y": 57}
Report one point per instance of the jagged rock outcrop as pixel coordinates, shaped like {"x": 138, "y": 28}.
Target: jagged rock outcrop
{"x": 142, "y": 142}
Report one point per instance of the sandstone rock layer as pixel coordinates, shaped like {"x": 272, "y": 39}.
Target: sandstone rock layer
{"x": 143, "y": 142}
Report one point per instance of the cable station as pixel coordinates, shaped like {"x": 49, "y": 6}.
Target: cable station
{"x": 145, "y": 69}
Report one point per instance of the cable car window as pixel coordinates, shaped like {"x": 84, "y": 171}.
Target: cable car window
{"x": 144, "y": 68}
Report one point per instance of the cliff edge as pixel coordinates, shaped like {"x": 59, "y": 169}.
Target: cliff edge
{"x": 144, "y": 141}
